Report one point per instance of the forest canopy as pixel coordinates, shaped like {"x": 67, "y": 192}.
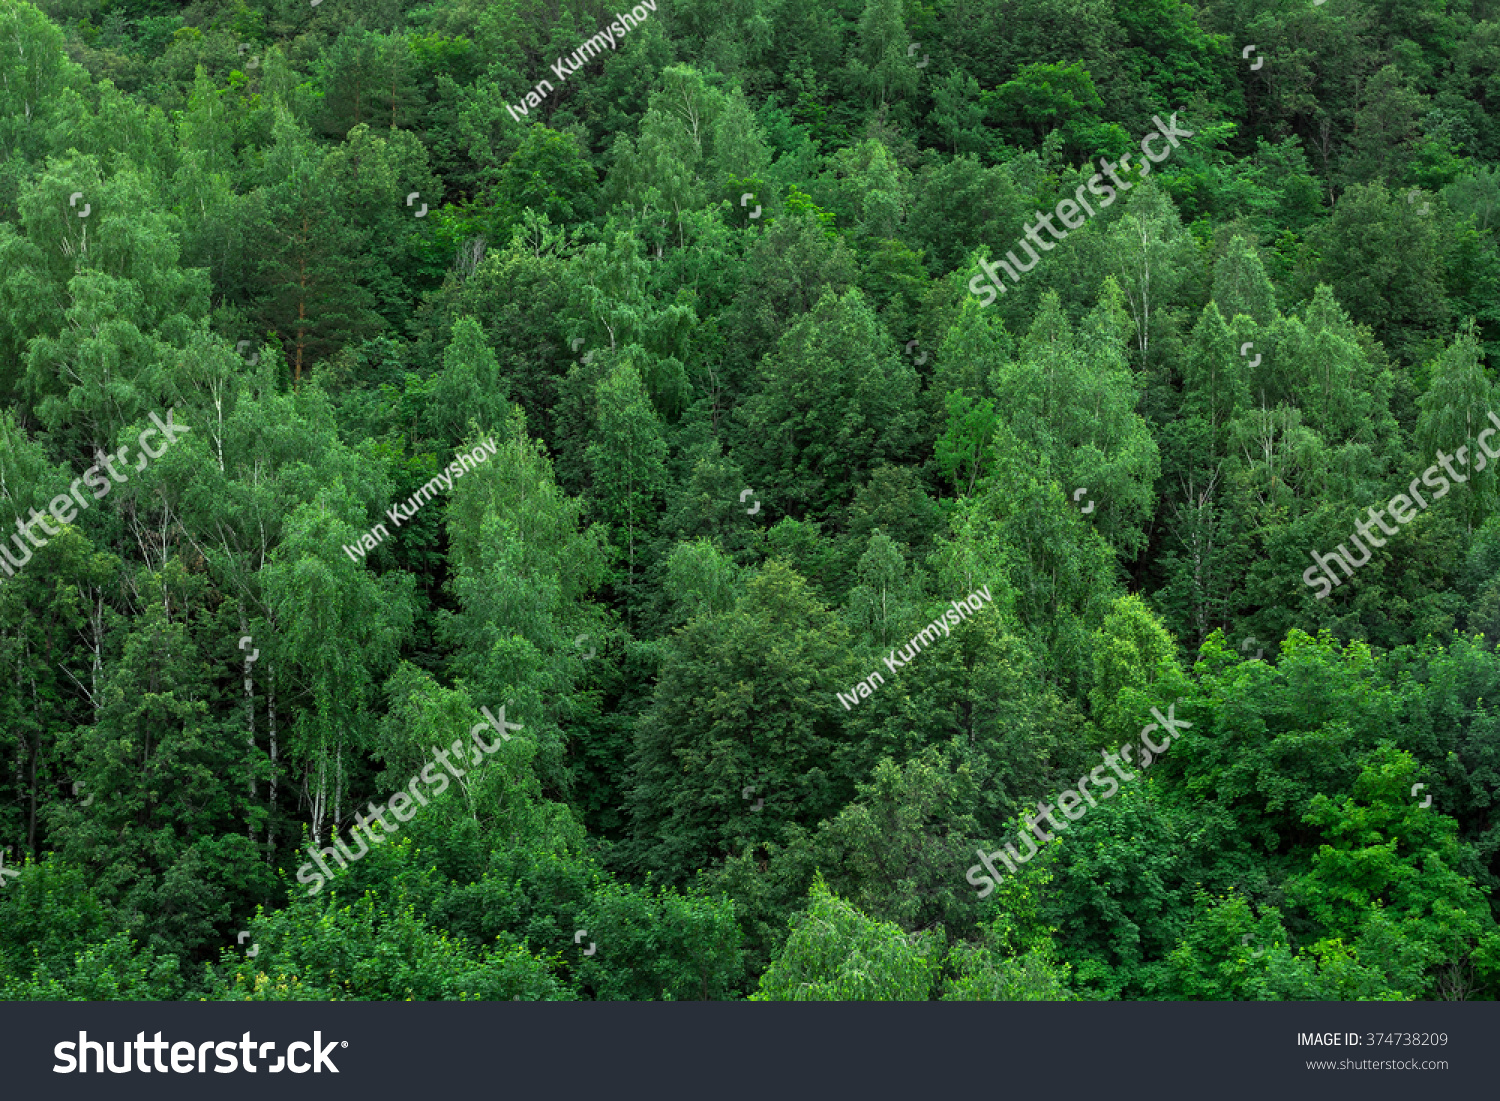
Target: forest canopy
{"x": 525, "y": 500}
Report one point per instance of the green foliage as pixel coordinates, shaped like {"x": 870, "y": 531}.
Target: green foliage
{"x": 374, "y": 950}
{"x": 1042, "y": 97}
{"x": 661, "y": 946}
{"x": 837, "y": 954}
{"x": 733, "y": 461}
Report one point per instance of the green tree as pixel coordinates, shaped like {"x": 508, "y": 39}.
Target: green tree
{"x": 730, "y": 711}
{"x": 833, "y": 400}
{"x": 1454, "y": 411}
{"x": 836, "y": 954}
{"x": 309, "y": 282}
{"x": 879, "y": 65}
{"x": 627, "y": 463}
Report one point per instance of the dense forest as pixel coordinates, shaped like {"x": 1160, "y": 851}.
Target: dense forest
{"x": 543, "y": 500}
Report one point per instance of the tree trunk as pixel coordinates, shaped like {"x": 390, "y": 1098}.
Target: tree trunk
{"x": 271, "y": 730}
{"x": 301, "y": 302}
{"x": 249, "y": 721}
